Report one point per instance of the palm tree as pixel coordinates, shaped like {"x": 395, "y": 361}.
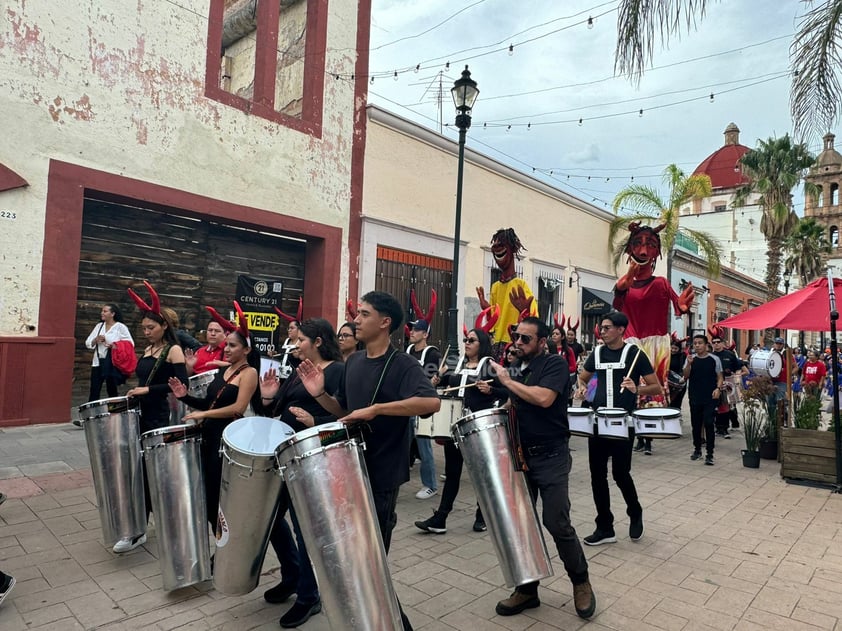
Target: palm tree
{"x": 815, "y": 59}
{"x": 774, "y": 168}
{"x": 648, "y": 206}
{"x": 806, "y": 247}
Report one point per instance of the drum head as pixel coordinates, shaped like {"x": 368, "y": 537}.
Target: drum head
{"x": 579, "y": 411}
{"x": 172, "y": 433}
{"x": 656, "y": 413}
{"x": 256, "y": 435}
{"x": 775, "y": 364}
{"x": 611, "y": 412}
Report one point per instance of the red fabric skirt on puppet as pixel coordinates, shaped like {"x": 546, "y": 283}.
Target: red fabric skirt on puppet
{"x": 657, "y": 349}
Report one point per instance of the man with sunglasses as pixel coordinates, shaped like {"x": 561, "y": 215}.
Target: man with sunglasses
{"x": 619, "y": 368}
{"x": 538, "y": 394}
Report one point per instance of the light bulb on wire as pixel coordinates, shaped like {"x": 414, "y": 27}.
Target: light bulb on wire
{"x": 590, "y": 21}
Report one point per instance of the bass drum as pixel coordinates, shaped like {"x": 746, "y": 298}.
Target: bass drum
{"x": 766, "y": 362}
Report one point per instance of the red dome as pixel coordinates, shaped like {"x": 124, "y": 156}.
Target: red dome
{"x": 722, "y": 167}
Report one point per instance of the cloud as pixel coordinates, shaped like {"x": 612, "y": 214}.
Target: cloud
{"x": 585, "y": 154}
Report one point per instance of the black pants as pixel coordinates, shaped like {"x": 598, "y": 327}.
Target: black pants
{"x": 620, "y": 452}
{"x": 385, "y": 502}
{"x": 548, "y": 477}
{"x": 701, "y": 416}
{"x": 283, "y": 543}
{"x": 453, "y": 462}
{"x": 96, "y": 384}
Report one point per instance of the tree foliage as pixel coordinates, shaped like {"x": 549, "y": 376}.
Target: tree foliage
{"x": 805, "y": 249}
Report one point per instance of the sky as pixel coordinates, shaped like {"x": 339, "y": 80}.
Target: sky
{"x": 559, "y": 71}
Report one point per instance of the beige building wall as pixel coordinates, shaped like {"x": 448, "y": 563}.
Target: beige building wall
{"x": 119, "y": 87}
{"x": 409, "y": 203}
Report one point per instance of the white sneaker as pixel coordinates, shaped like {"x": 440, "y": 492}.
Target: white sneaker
{"x": 425, "y": 493}
{"x": 129, "y": 543}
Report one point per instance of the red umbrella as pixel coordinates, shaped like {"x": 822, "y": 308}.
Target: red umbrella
{"x": 807, "y": 309}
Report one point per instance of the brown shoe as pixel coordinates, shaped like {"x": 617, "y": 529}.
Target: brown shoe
{"x": 517, "y": 603}
{"x": 584, "y": 600}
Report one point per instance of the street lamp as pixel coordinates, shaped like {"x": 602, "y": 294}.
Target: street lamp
{"x": 465, "y": 93}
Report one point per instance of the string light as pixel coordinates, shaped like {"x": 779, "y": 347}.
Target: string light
{"x": 417, "y": 68}
{"x": 640, "y": 113}
{"x": 511, "y": 49}
{"x": 590, "y": 21}
{"x": 580, "y": 122}
{"x": 396, "y": 75}
{"x": 711, "y": 97}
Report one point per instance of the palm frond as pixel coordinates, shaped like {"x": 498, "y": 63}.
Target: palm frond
{"x": 815, "y": 62}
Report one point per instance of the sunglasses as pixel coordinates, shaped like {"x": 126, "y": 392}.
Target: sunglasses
{"x": 469, "y": 340}
{"x": 523, "y": 338}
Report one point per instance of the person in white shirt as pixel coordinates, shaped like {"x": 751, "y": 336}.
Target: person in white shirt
{"x": 110, "y": 330}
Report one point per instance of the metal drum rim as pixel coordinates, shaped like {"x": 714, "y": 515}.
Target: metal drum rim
{"x": 644, "y": 413}
{"x": 312, "y": 432}
{"x": 256, "y": 454}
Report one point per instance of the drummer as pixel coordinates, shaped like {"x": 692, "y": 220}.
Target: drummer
{"x": 732, "y": 366}
{"x": 472, "y": 368}
{"x": 226, "y": 400}
{"x": 294, "y": 406}
{"x": 619, "y": 368}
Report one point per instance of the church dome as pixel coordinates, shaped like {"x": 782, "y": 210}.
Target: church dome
{"x": 829, "y": 156}
{"x": 722, "y": 166}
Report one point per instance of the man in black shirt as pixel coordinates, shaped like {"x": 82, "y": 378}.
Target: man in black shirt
{"x": 383, "y": 387}
{"x": 619, "y": 368}
{"x": 703, "y": 372}
{"x": 538, "y": 394}
{"x": 429, "y": 358}
{"x": 731, "y": 365}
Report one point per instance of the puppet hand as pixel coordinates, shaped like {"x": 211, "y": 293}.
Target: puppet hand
{"x": 685, "y": 300}
{"x": 482, "y": 301}
{"x": 519, "y": 299}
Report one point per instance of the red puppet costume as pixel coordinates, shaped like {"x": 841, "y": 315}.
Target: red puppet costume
{"x": 645, "y": 298}
{"x": 510, "y": 293}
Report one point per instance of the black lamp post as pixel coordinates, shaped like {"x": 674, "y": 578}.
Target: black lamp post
{"x": 464, "y": 92}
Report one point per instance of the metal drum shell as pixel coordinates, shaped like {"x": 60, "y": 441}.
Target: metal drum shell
{"x": 438, "y": 425}
{"x": 657, "y": 423}
{"x": 503, "y": 495}
{"x": 580, "y": 421}
{"x": 328, "y": 485}
{"x": 176, "y": 487}
{"x": 612, "y": 423}
{"x": 112, "y": 434}
{"x": 248, "y": 501}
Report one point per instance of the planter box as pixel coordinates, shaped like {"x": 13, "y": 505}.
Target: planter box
{"x": 807, "y": 454}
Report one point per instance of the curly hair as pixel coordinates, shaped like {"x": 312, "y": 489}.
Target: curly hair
{"x": 507, "y": 236}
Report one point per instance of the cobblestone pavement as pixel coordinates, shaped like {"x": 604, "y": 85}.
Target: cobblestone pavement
{"x": 725, "y": 548}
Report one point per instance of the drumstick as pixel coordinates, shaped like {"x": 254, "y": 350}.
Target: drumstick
{"x": 444, "y": 358}
{"x": 634, "y": 361}
{"x": 468, "y": 385}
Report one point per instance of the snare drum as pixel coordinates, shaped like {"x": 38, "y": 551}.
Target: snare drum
{"x": 438, "y": 425}
{"x": 657, "y": 423}
{"x": 580, "y": 421}
{"x": 612, "y": 423}
{"x": 767, "y": 363}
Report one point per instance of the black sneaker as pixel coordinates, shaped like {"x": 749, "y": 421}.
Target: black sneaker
{"x": 437, "y": 524}
{"x": 599, "y": 537}
{"x": 636, "y": 528}
{"x": 709, "y": 460}
{"x": 638, "y": 447}
{"x": 648, "y": 450}
{"x": 726, "y": 436}
{"x": 298, "y": 614}
{"x": 2, "y": 497}
{"x": 6, "y": 587}
{"x": 696, "y": 455}
{"x": 479, "y": 525}
{"x": 279, "y": 593}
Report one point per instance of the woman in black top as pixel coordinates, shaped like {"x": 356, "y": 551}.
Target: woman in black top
{"x": 227, "y": 398}
{"x": 473, "y": 367}
{"x": 297, "y": 408}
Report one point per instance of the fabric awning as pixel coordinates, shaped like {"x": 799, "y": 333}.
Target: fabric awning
{"x": 596, "y": 302}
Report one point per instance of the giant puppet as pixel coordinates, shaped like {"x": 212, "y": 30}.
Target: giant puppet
{"x": 645, "y": 298}
{"x": 511, "y": 294}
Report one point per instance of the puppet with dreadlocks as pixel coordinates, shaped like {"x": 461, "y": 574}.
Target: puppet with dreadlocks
{"x": 511, "y": 294}
{"x": 645, "y": 298}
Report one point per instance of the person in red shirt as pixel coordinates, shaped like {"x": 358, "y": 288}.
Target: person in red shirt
{"x": 814, "y": 372}
{"x": 209, "y": 356}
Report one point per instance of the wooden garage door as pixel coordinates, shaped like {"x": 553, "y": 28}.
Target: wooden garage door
{"x": 191, "y": 262}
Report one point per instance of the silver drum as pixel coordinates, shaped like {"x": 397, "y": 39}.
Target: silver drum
{"x": 177, "y": 489}
{"x": 328, "y": 484}
{"x": 197, "y": 386}
{"x": 503, "y": 496}
{"x": 113, "y": 437}
{"x": 248, "y": 501}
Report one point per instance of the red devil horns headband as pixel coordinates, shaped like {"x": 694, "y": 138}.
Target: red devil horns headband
{"x": 487, "y": 318}
{"x": 559, "y": 324}
{"x": 570, "y": 325}
{"x": 417, "y": 309}
{"x": 298, "y": 313}
{"x": 141, "y": 304}
{"x": 226, "y": 325}
{"x": 243, "y": 327}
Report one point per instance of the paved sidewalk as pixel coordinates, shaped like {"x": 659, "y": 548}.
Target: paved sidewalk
{"x": 725, "y": 548}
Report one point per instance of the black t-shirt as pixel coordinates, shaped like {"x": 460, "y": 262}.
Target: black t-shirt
{"x": 730, "y": 362}
{"x": 628, "y": 399}
{"x": 578, "y": 349}
{"x": 432, "y": 359}
{"x": 537, "y": 425}
{"x": 701, "y": 381}
{"x": 474, "y": 399}
{"x": 386, "y": 437}
{"x": 293, "y": 393}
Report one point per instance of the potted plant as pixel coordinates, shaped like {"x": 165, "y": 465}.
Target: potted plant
{"x": 754, "y": 425}
{"x": 807, "y": 454}
{"x": 768, "y": 447}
